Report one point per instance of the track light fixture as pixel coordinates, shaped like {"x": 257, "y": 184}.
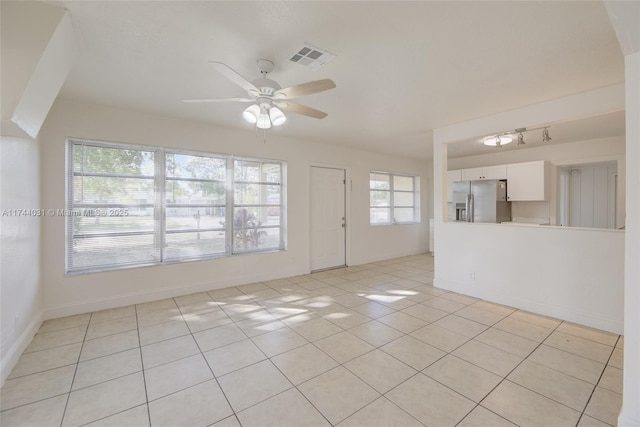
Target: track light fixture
{"x": 498, "y": 140}
{"x": 505, "y": 138}
{"x": 521, "y": 136}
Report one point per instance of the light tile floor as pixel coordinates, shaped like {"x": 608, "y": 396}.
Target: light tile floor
{"x": 372, "y": 345}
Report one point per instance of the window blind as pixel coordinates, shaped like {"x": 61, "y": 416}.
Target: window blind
{"x": 132, "y": 206}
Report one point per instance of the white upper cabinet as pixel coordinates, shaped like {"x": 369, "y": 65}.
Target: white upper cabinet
{"x": 471, "y": 174}
{"x": 486, "y": 172}
{"x": 527, "y": 181}
{"x": 494, "y": 172}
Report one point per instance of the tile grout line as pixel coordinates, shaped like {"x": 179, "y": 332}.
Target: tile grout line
{"x": 596, "y": 385}
{"x": 294, "y": 386}
{"x": 269, "y": 358}
{"x": 504, "y": 378}
{"x": 233, "y": 412}
{"x": 111, "y": 415}
{"x": 64, "y": 411}
{"x": 339, "y": 364}
{"x": 322, "y": 373}
{"x": 357, "y": 283}
{"x": 53, "y": 347}
{"x": 144, "y": 376}
{"x": 104, "y": 336}
{"x": 309, "y": 379}
{"x": 518, "y": 365}
{"x": 258, "y": 302}
{"x": 382, "y": 395}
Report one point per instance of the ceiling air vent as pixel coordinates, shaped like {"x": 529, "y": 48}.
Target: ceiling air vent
{"x": 312, "y": 57}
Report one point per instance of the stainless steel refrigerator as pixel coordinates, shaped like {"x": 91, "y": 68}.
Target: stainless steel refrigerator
{"x": 480, "y": 201}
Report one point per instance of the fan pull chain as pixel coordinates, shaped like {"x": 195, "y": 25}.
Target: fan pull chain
{"x": 264, "y": 135}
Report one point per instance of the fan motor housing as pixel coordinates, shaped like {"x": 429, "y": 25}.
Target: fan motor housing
{"x": 266, "y": 86}
{"x": 264, "y": 66}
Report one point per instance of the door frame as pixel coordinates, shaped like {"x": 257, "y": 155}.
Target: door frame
{"x": 348, "y": 188}
{"x": 554, "y": 204}
{"x": 564, "y": 191}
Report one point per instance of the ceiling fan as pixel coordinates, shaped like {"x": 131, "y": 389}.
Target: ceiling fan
{"x": 268, "y": 98}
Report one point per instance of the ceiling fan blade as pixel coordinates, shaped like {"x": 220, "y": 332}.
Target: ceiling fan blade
{"x": 236, "y": 78}
{"x": 304, "y": 89}
{"x": 301, "y": 109}
{"x": 219, "y": 100}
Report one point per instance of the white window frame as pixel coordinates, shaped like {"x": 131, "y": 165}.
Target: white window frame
{"x": 392, "y": 204}
{"x": 281, "y": 205}
{"x": 160, "y": 205}
{"x": 165, "y": 206}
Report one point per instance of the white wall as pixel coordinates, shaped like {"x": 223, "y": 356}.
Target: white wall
{"x": 65, "y": 295}
{"x": 20, "y": 286}
{"x": 630, "y": 415}
{"x": 550, "y": 270}
{"x": 36, "y": 58}
{"x": 529, "y": 267}
{"x": 625, "y": 17}
{"x": 581, "y": 152}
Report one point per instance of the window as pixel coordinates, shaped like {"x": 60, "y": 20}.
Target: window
{"x": 132, "y": 206}
{"x": 257, "y": 209}
{"x": 111, "y": 207}
{"x": 195, "y": 206}
{"x": 393, "y": 199}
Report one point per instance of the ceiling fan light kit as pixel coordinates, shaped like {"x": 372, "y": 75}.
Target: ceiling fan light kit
{"x": 277, "y": 116}
{"x": 268, "y": 98}
{"x": 251, "y": 113}
{"x": 506, "y": 138}
{"x": 264, "y": 122}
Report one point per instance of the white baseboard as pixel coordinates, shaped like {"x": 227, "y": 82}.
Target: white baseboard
{"x": 546, "y": 309}
{"x": 385, "y": 257}
{"x": 12, "y": 355}
{"x": 161, "y": 293}
{"x": 169, "y": 292}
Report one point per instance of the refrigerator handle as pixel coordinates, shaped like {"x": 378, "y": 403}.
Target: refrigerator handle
{"x": 469, "y": 207}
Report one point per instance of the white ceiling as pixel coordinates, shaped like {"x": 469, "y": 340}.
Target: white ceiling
{"x": 402, "y": 68}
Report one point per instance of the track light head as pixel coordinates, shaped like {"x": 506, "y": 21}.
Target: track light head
{"x": 505, "y": 138}
{"x": 498, "y": 141}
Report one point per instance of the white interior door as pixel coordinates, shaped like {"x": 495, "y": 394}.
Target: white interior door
{"x": 328, "y": 218}
{"x": 592, "y": 196}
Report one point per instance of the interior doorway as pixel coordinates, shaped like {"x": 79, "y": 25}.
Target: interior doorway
{"x": 588, "y": 195}
{"x": 328, "y": 218}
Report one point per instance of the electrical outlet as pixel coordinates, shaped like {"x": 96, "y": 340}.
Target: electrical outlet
{"x": 472, "y": 275}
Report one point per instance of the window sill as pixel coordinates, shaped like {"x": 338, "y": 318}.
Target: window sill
{"x": 168, "y": 262}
